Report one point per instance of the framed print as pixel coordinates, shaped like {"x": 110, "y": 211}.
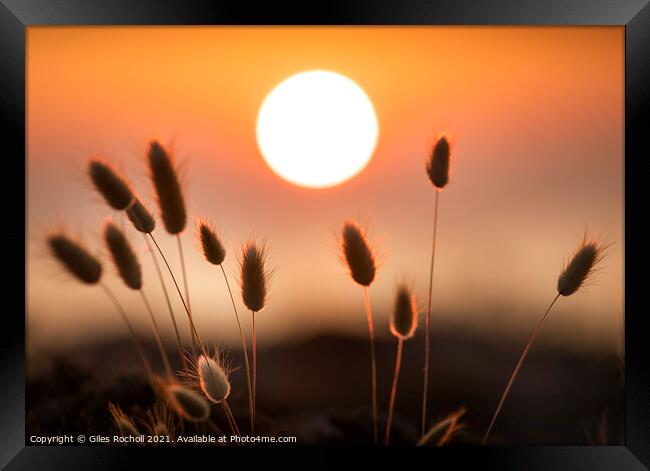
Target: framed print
{"x": 362, "y": 225}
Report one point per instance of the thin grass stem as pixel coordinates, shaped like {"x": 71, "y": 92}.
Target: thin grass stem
{"x": 244, "y": 348}
{"x": 373, "y": 364}
{"x": 185, "y": 283}
{"x": 393, "y": 390}
{"x": 167, "y": 300}
{"x": 425, "y": 387}
{"x": 231, "y": 418}
{"x": 514, "y": 373}
{"x": 178, "y": 290}
{"x": 254, "y": 373}
{"x": 138, "y": 345}
{"x": 163, "y": 353}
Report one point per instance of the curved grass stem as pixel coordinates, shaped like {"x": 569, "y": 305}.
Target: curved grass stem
{"x": 138, "y": 345}
{"x": 167, "y": 300}
{"x": 393, "y": 390}
{"x": 516, "y": 371}
{"x": 425, "y": 387}
{"x": 178, "y": 290}
{"x": 185, "y": 283}
{"x": 244, "y": 348}
{"x": 373, "y": 364}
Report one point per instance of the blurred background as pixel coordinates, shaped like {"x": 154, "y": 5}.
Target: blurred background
{"x": 535, "y": 116}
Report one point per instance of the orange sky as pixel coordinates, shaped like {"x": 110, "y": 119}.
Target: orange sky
{"x": 536, "y": 118}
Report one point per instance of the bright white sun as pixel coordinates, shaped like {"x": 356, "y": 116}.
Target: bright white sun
{"x": 317, "y": 129}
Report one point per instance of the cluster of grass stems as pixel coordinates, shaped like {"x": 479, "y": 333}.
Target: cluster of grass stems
{"x": 187, "y": 396}
{"x": 204, "y": 378}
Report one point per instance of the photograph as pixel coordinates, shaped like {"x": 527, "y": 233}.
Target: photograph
{"x": 380, "y": 236}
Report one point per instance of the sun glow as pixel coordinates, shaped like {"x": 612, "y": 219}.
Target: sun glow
{"x": 317, "y": 129}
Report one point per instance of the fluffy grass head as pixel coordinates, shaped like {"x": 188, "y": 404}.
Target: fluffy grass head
{"x": 123, "y": 256}
{"x": 168, "y": 188}
{"x": 186, "y": 403}
{"x": 75, "y": 258}
{"x": 438, "y": 163}
{"x": 581, "y": 266}
{"x": 213, "y": 249}
{"x": 110, "y": 184}
{"x": 141, "y": 217}
{"x": 254, "y": 278}
{"x": 212, "y": 378}
{"x": 357, "y": 253}
{"x": 404, "y": 317}
{"x": 123, "y": 423}
{"x": 160, "y": 420}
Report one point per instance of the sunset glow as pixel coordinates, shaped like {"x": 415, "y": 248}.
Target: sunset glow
{"x": 317, "y": 129}
{"x": 535, "y": 116}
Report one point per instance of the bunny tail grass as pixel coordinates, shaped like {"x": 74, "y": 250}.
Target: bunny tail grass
{"x": 187, "y": 404}
{"x": 425, "y": 387}
{"x": 215, "y": 385}
{"x": 360, "y": 260}
{"x": 373, "y": 364}
{"x": 179, "y": 344}
{"x": 254, "y": 280}
{"x": 213, "y": 379}
{"x": 134, "y": 337}
{"x": 213, "y": 250}
{"x": 168, "y": 188}
{"x": 178, "y": 290}
{"x": 580, "y": 267}
{"x": 113, "y": 187}
{"x": 140, "y": 217}
{"x": 403, "y": 323}
{"x": 243, "y": 346}
{"x": 75, "y": 258}
{"x": 517, "y": 367}
{"x": 438, "y": 163}
{"x": 215, "y": 253}
{"x": 357, "y": 254}
{"x": 573, "y": 276}
{"x": 124, "y": 257}
{"x": 123, "y": 423}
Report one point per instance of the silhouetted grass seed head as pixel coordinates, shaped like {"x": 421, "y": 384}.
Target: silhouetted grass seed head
{"x": 123, "y": 256}
{"x": 141, "y": 217}
{"x": 187, "y": 404}
{"x": 253, "y": 276}
{"x": 213, "y": 249}
{"x": 168, "y": 188}
{"x": 75, "y": 258}
{"x": 438, "y": 163}
{"x": 113, "y": 187}
{"x": 357, "y": 254}
{"x": 404, "y": 317}
{"x": 580, "y": 267}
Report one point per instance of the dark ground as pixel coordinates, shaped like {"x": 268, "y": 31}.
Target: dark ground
{"x": 319, "y": 391}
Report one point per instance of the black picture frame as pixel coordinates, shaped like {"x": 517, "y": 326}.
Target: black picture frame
{"x": 634, "y": 15}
